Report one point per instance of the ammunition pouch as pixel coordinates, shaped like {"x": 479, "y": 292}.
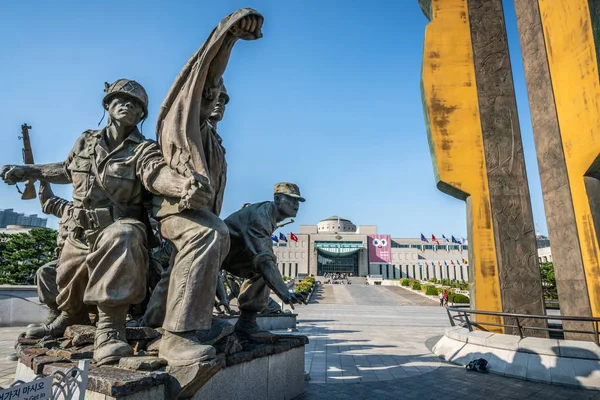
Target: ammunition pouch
{"x": 99, "y": 218}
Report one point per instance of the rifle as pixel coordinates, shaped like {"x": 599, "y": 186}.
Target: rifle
{"x": 285, "y": 223}
{"x": 29, "y": 192}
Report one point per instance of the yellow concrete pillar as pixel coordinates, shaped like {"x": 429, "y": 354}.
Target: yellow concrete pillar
{"x": 475, "y": 143}
{"x": 559, "y": 40}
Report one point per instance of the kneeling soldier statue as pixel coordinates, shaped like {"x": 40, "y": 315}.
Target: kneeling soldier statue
{"x": 251, "y": 255}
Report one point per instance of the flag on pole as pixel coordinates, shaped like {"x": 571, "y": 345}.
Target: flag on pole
{"x": 464, "y": 241}
{"x": 465, "y": 261}
{"x": 434, "y": 239}
{"x": 451, "y": 262}
{"x": 445, "y": 263}
{"x": 274, "y": 238}
{"x": 445, "y": 238}
{"x": 293, "y": 237}
{"x": 282, "y": 237}
{"x": 423, "y": 239}
{"x": 454, "y": 240}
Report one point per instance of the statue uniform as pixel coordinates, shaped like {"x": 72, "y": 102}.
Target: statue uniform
{"x": 112, "y": 237}
{"x": 46, "y": 274}
{"x": 250, "y": 231}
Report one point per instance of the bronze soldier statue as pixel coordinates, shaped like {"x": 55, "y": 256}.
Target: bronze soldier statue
{"x": 111, "y": 170}
{"x": 251, "y": 255}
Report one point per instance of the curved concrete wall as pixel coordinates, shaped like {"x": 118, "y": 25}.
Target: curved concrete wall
{"x": 20, "y": 306}
{"x": 563, "y": 362}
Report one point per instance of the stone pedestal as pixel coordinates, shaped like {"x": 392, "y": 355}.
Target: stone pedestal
{"x": 271, "y": 322}
{"x": 242, "y": 370}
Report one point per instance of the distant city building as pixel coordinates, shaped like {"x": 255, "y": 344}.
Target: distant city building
{"x": 543, "y": 246}
{"x": 542, "y": 241}
{"x": 9, "y": 217}
{"x": 336, "y": 245}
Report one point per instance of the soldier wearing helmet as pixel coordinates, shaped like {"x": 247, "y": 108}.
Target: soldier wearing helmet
{"x": 113, "y": 171}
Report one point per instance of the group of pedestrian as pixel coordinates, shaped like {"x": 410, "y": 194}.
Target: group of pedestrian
{"x": 444, "y": 298}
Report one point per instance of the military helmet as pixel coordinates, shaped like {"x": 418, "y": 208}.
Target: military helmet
{"x": 127, "y": 87}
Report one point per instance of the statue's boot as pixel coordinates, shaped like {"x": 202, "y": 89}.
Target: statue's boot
{"x": 247, "y": 326}
{"x": 57, "y": 327}
{"x": 111, "y": 343}
{"x": 184, "y": 349}
{"x": 53, "y": 313}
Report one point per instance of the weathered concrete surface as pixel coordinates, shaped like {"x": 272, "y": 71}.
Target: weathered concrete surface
{"x": 513, "y": 228}
{"x": 475, "y": 142}
{"x": 561, "y": 69}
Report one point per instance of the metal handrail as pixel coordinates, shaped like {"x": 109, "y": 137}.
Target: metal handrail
{"x": 462, "y": 315}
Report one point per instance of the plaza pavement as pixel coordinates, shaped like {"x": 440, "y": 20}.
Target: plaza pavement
{"x": 373, "y": 342}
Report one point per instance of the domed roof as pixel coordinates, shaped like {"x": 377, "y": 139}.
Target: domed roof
{"x": 335, "y": 218}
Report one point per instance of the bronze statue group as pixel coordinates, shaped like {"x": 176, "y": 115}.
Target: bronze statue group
{"x": 142, "y": 235}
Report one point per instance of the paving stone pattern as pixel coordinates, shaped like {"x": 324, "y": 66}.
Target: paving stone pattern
{"x": 372, "y": 342}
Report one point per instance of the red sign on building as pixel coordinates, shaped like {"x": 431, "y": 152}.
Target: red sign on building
{"x": 380, "y": 249}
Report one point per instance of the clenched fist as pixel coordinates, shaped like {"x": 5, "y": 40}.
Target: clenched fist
{"x": 248, "y": 28}
{"x": 12, "y": 174}
{"x": 197, "y": 195}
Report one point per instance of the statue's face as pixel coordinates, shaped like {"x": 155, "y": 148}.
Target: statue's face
{"x": 288, "y": 206}
{"x": 210, "y": 97}
{"x": 219, "y": 110}
{"x": 125, "y": 109}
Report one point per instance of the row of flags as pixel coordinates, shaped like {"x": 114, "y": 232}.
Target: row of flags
{"x": 445, "y": 263}
{"x": 283, "y": 238}
{"x": 445, "y": 239}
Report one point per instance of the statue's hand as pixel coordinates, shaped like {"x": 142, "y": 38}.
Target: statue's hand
{"x": 248, "y": 28}
{"x": 12, "y": 174}
{"x": 197, "y": 195}
{"x": 295, "y": 298}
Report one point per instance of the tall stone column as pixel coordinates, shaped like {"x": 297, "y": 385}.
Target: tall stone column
{"x": 559, "y": 43}
{"x": 475, "y": 142}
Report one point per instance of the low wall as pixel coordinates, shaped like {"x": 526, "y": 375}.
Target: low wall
{"x": 20, "y": 306}
{"x": 563, "y": 362}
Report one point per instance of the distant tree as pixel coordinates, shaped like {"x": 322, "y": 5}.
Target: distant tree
{"x": 548, "y": 281}
{"x": 21, "y": 254}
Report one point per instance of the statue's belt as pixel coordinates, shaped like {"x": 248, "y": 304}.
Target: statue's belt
{"x": 101, "y": 217}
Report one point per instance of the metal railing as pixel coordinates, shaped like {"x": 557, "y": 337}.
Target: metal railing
{"x": 462, "y": 315}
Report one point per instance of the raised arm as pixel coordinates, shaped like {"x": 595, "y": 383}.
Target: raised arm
{"x": 52, "y": 173}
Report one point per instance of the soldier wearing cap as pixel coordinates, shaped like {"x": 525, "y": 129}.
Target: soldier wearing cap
{"x": 251, "y": 254}
{"x": 113, "y": 171}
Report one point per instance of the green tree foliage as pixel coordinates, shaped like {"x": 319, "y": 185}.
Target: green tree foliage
{"x": 21, "y": 254}
{"x": 548, "y": 281}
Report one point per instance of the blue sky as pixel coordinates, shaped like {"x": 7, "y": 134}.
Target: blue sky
{"x": 329, "y": 99}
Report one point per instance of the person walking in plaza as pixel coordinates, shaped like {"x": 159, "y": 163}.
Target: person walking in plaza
{"x": 441, "y": 299}
{"x": 446, "y": 298}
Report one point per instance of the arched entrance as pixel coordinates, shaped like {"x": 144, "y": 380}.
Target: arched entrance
{"x": 337, "y": 262}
